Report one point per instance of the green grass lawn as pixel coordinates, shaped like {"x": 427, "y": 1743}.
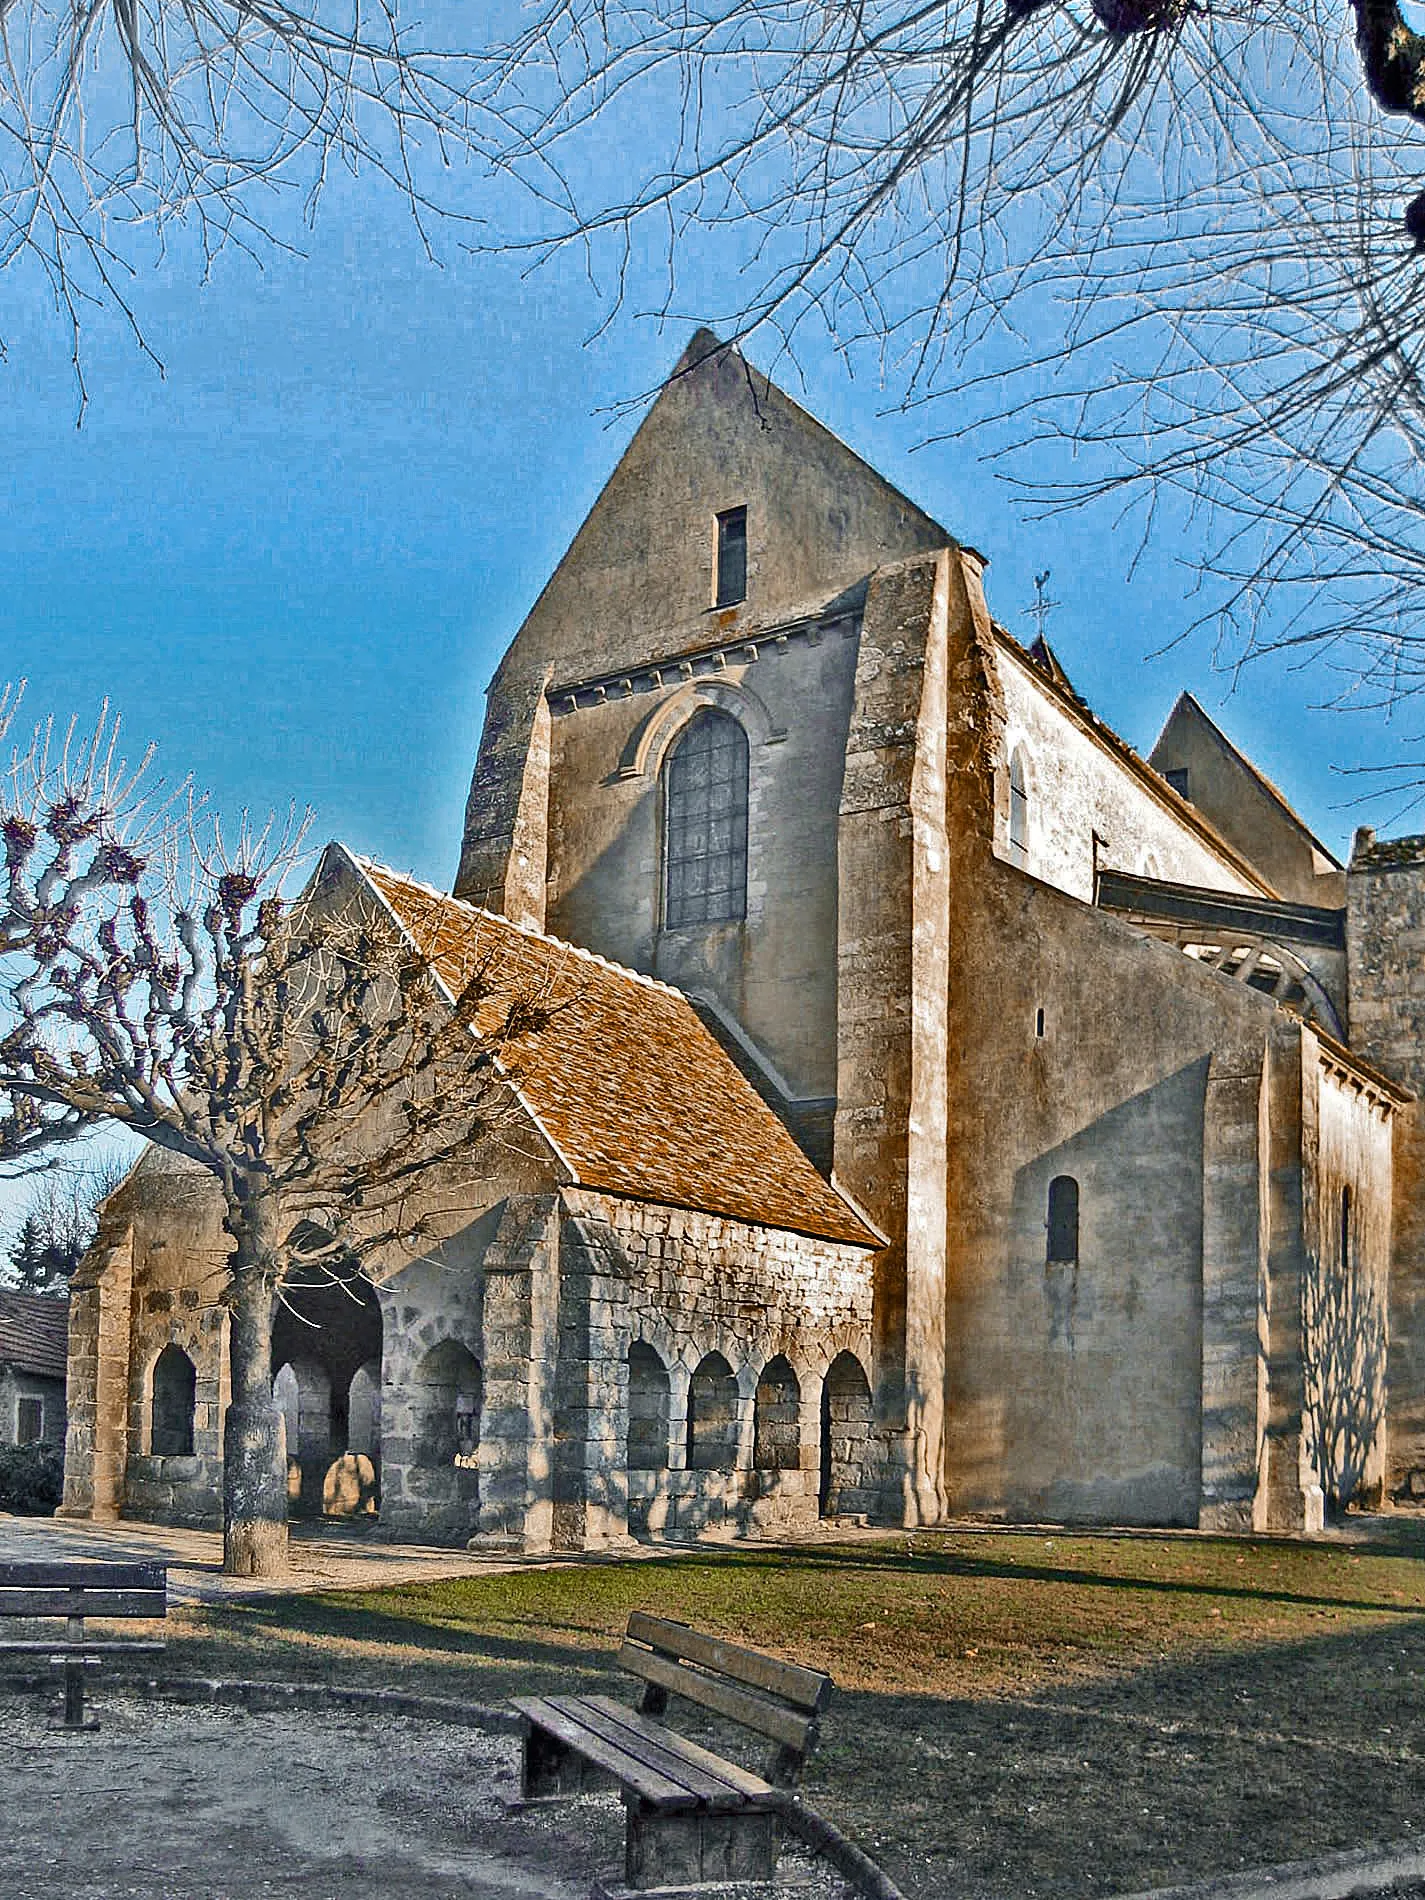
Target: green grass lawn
{"x": 1015, "y": 1714}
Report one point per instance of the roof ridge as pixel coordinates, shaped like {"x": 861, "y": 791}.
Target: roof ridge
{"x": 511, "y": 923}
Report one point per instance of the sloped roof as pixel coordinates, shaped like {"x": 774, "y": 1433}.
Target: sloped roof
{"x": 1190, "y": 703}
{"x": 628, "y": 1086}
{"x": 34, "y": 1333}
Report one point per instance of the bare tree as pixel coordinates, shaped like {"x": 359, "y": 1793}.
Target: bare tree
{"x": 1146, "y": 250}
{"x": 301, "y": 1052}
{"x": 124, "y": 121}
{"x": 59, "y": 1222}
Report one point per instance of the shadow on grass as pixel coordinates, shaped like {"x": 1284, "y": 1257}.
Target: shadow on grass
{"x": 1171, "y": 1770}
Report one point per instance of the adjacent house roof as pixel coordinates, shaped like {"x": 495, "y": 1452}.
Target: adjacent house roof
{"x": 34, "y": 1333}
{"x": 628, "y": 1086}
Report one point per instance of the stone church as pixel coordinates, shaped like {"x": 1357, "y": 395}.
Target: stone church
{"x": 950, "y": 1112}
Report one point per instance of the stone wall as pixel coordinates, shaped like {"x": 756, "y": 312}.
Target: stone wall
{"x": 1346, "y": 1225}
{"x": 1385, "y": 950}
{"x": 1122, "y": 1380}
{"x": 773, "y": 971}
{"x": 688, "y": 1286}
{"x": 1080, "y": 787}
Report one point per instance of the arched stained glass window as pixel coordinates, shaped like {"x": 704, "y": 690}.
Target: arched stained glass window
{"x": 705, "y": 823}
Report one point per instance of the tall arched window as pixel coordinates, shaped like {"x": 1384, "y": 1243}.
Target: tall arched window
{"x": 712, "y": 1416}
{"x": 1063, "y": 1223}
{"x": 174, "y": 1384}
{"x": 705, "y": 823}
{"x": 777, "y": 1435}
{"x": 648, "y": 1409}
{"x": 1018, "y": 808}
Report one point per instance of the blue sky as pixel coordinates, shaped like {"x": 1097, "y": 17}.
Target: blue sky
{"x": 293, "y": 558}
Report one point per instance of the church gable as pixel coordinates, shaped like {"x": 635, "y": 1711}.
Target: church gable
{"x": 731, "y": 508}
{"x": 732, "y": 518}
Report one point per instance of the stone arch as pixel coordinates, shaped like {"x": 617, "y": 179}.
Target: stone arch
{"x": 654, "y": 734}
{"x": 363, "y": 1410}
{"x": 846, "y": 1486}
{"x": 447, "y": 1389}
{"x": 777, "y": 1412}
{"x": 712, "y": 1416}
{"x": 649, "y": 1409}
{"x": 172, "y": 1403}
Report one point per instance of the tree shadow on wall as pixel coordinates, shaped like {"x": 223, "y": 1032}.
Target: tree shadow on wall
{"x": 1344, "y": 1331}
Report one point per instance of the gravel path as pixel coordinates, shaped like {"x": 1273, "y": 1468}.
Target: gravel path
{"x": 170, "y": 1802}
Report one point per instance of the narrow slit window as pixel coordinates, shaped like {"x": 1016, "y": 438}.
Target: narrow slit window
{"x": 1345, "y": 1232}
{"x": 705, "y": 824}
{"x": 1063, "y": 1248}
{"x": 731, "y": 557}
{"x": 1018, "y": 810}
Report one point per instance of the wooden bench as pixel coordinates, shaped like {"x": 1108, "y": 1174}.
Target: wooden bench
{"x": 75, "y": 1591}
{"x": 692, "y": 1817}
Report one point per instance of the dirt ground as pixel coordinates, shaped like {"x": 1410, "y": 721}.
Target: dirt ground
{"x": 168, "y": 1802}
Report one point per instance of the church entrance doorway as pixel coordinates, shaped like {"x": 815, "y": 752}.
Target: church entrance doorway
{"x": 326, "y": 1349}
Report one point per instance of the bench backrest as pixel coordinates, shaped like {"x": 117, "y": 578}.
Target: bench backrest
{"x": 777, "y": 1699}
{"x": 83, "y": 1590}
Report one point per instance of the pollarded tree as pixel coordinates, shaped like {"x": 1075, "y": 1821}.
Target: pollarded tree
{"x": 301, "y": 1052}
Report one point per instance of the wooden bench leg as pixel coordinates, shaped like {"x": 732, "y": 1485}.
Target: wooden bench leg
{"x": 549, "y": 1769}
{"x": 74, "y": 1668}
{"x": 688, "y": 1849}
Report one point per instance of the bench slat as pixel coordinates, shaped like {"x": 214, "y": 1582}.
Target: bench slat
{"x": 87, "y": 1602}
{"x": 807, "y": 1689}
{"x": 645, "y": 1781}
{"x": 723, "y": 1698}
{"x": 752, "y": 1789}
{"x": 57, "y": 1645}
{"x": 661, "y": 1749}
{"x": 85, "y": 1576}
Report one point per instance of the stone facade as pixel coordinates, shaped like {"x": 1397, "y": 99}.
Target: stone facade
{"x": 1108, "y": 1067}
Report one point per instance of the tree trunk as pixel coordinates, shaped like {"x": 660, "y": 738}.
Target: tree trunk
{"x": 254, "y": 1432}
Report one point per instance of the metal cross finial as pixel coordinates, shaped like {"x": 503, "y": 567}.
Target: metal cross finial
{"x": 1043, "y": 606}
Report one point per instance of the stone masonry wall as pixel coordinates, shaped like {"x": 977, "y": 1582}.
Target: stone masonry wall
{"x": 1385, "y": 950}
{"x": 689, "y": 1285}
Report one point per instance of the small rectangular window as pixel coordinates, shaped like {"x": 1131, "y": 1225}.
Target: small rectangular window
{"x": 1178, "y": 779}
{"x": 30, "y": 1422}
{"x": 731, "y": 557}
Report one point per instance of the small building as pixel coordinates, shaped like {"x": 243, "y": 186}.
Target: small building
{"x": 34, "y": 1331}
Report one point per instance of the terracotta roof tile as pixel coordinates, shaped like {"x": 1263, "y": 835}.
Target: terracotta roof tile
{"x": 626, "y": 1082}
{"x": 34, "y": 1332}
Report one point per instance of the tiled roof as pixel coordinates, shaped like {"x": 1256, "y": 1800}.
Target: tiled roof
{"x": 34, "y": 1332}
{"x": 626, "y": 1082}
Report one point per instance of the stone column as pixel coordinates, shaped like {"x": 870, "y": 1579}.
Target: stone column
{"x": 97, "y": 1396}
{"x": 1294, "y": 1499}
{"x": 1235, "y": 1137}
{"x": 893, "y": 995}
{"x": 521, "y": 1347}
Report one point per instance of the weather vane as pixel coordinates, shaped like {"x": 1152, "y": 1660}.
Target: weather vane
{"x": 1043, "y": 606}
